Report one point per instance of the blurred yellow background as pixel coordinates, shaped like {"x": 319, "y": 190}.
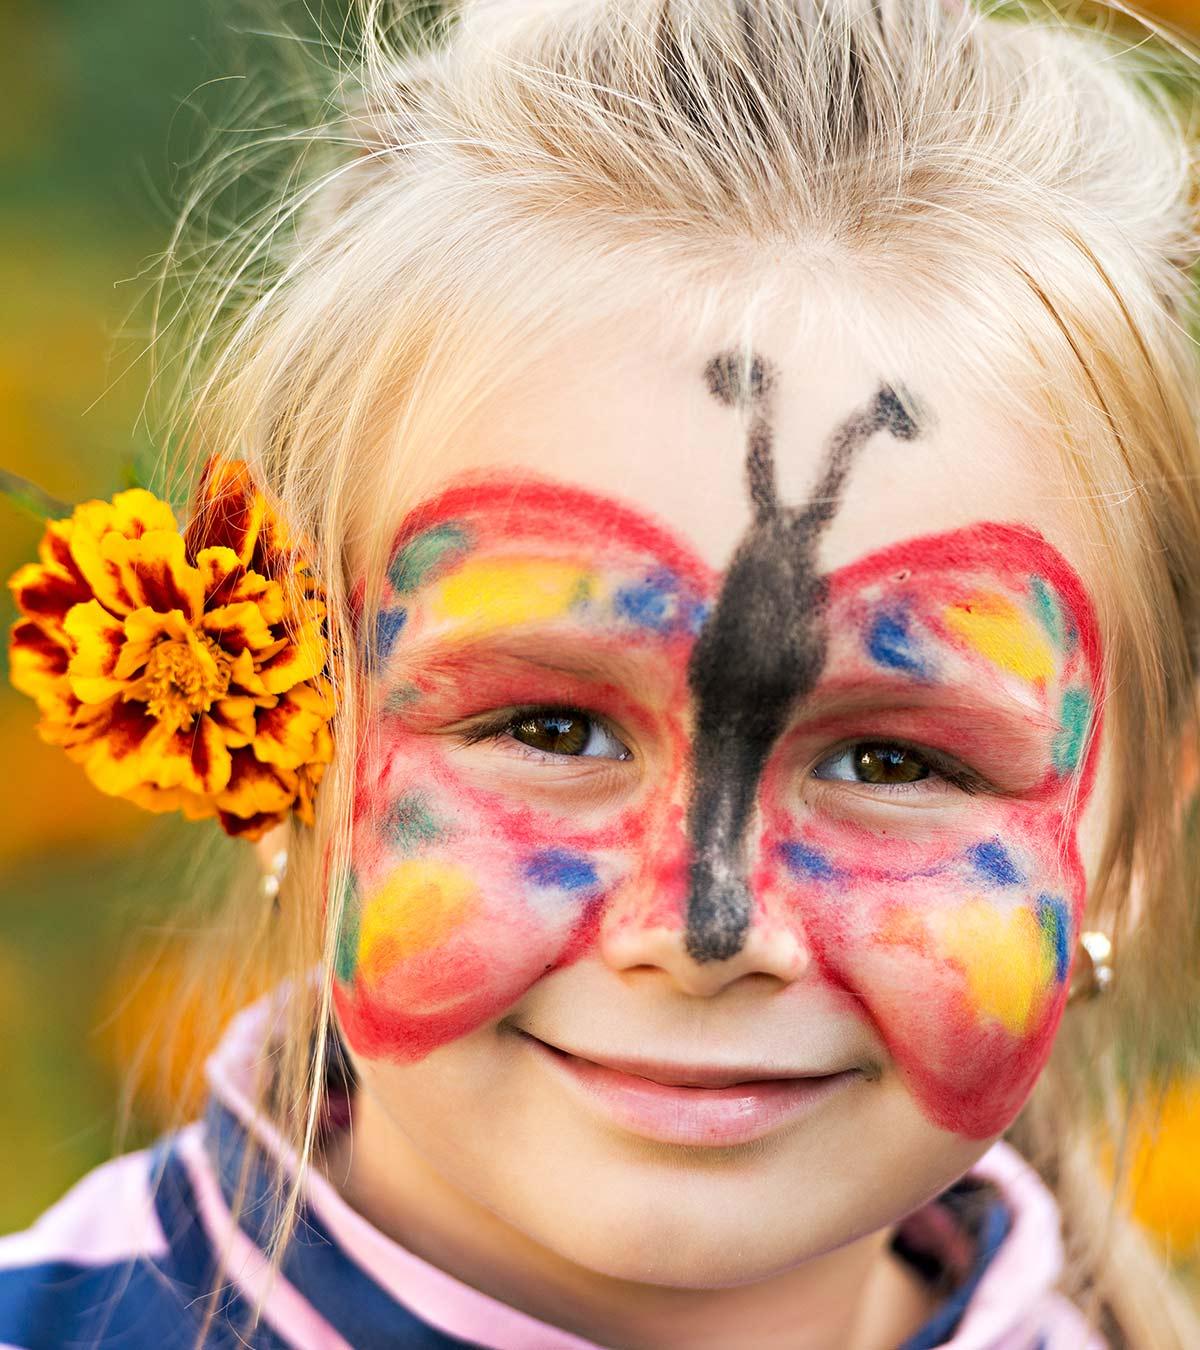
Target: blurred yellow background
{"x": 106, "y": 104}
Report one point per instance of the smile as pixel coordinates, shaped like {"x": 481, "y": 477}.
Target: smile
{"x": 698, "y": 1105}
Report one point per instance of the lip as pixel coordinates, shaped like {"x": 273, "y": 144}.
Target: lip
{"x": 706, "y": 1106}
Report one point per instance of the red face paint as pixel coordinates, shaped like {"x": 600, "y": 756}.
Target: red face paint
{"x": 478, "y": 868}
{"x": 956, "y": 934}
{"x": 466, "y": 888}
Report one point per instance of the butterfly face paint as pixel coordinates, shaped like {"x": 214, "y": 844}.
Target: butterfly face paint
{"x": 472, "y": 880}
{"x": 730, "y": 750}
{"x": 956, "y": 931}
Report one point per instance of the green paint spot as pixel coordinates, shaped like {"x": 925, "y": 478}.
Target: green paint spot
{"x": 1048, "y": 609}
{"x": 1075, "y": 719}
{"x": 1045, "y": 605}
{"x": 422, "y": 556}
{"x": 410, "y": 824}
{"x": 581, "y": 593}
{"x": 403, "y": 696}
{"x": 347, "y": 947}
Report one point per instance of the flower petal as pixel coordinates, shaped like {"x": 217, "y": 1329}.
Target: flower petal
{"x": 301, "y": 659}
{"x": 193, "y": 758}
{"x": 286, "y": 734}
{"x": 91, "y": 524}
{"x": 310, "y": 776}
{"x": 145, "y": 627}
{"x": 97, "y": 639}
{"x": 255, "y": 787}
{"x": 37, "y": 663}
{"x": 120, "y": 751}
{"x": 250, "y": 827}
{"x": 230, "y": 513}
{"x": 136, "y": 512}
{"x": 266, "y": 596}
{"x": 220, "y": 572}
{"x": 144, "y": 630}
{"x": 154, "y": 572}
{"x": 239, "y": 627}
{"x": 235, "y": 718}
{"x": 45, "y": 592}
{"x": 244, "y": 679}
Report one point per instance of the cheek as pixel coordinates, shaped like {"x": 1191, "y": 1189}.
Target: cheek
{"x": 457, "y": 904}
{"x": 959, "y": 954}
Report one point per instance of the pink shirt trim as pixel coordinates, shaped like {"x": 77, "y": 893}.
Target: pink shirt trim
{"x": 283, "y": 1308}
{"x": 1015, "y": 1302}
{"x": 444, "y": 1302}
{"x": 68, "y": 1231}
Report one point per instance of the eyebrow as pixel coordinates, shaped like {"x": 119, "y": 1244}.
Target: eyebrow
{"x": 864, "y": 690}
{"x": 591, "y": 659}
{"x": 1000, "y": 732}
{"x": 616, "y": 664}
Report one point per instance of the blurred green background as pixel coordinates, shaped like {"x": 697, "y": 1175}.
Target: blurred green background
{"x": 107, "y": 106}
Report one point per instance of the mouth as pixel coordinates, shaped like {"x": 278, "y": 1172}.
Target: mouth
{"x": 713, "y": 1106}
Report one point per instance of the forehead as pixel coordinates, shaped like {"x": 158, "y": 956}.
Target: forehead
{"x": 629, "y": 414}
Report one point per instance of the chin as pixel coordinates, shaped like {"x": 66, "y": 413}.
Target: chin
{"x": 675, "y": 1255}
{"x": 681, "y": 1222}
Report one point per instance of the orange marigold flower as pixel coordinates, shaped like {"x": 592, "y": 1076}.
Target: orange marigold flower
{"x": 184, "y": 671}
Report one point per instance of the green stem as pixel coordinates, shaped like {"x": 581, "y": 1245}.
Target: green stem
{"x": 30, "y": 498}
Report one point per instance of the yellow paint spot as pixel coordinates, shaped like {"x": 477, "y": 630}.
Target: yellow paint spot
{"x": 485, "y": 595}
{"x": 417, "y": 907}
{"x": 1005, "y": 634}
{"x": 1004, "y": 960}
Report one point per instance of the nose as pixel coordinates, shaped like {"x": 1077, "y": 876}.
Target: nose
{"x": 778, "y": 953}
{"x": 772, "y": 945}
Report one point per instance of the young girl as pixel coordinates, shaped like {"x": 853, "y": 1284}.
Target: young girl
{"x": 717, "y": 484}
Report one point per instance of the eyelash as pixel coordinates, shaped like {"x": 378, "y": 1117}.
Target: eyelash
{"x": 502, "y": 727}
{"x": 941, "y": 767}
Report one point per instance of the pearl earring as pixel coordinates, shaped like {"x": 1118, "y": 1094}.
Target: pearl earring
{"x": 272, "y": 879}
{"x": 1094, "y": 971}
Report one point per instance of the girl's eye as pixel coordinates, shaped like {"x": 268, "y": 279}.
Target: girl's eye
{"x": 880, "y": 765}
{"x": 560, "y": 732}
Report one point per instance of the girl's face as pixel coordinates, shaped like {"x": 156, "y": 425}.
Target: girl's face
{"x": 717, "y": 844}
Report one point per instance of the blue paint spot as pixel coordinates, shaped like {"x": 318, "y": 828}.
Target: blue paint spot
{"x": 563, "y": 870}
{"x": 696, "y": 616}
{"x": 1056, "y": 932}
{"x": 806, "y": 862}
{"x": 655, "y": 602}
{"x": 991, "y": 860}
{"x": 388, "y": 628}
{"x": 891, "y": 644}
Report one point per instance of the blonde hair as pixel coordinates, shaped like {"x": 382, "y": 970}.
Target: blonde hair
{"x": 1021, "y": 184}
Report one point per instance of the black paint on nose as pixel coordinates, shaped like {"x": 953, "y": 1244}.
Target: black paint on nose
{"x": 762, "y": 648}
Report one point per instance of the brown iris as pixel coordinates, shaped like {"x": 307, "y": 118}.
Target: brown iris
{"x": 888, "y": 764}
{"x": 555, "y": 733}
